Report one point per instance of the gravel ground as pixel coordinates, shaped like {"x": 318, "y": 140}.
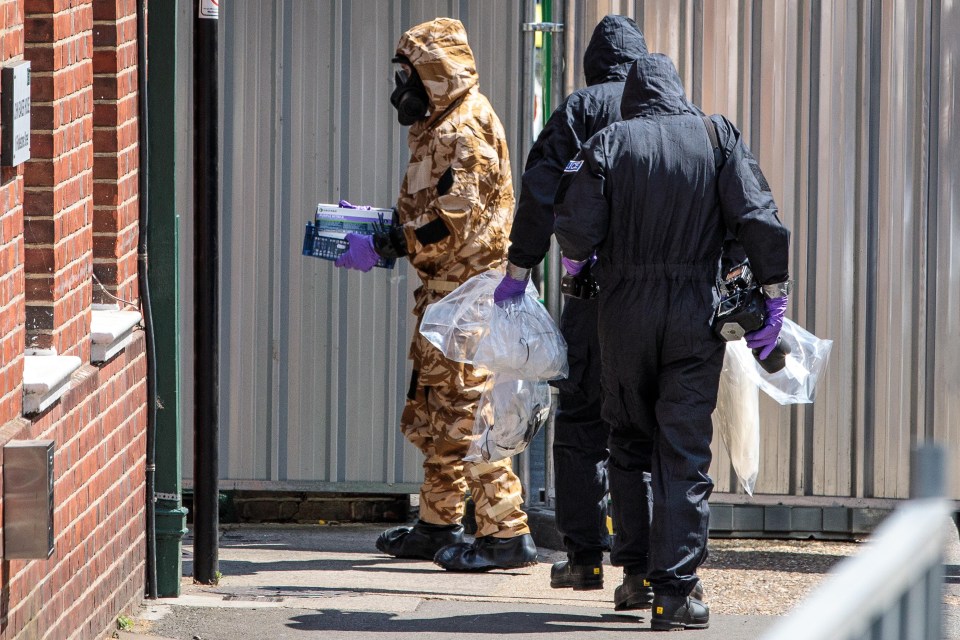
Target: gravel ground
{"x": 767, "y": 577}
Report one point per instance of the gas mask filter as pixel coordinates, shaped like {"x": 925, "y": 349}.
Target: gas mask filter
{"x": 409, "y": 97}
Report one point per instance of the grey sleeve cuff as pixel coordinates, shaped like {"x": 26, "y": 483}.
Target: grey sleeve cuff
{"x": 517, "y": 273}
{"x": 777, "y": 289}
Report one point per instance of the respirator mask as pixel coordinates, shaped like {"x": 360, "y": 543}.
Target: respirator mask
{"x": 409, "y": 97}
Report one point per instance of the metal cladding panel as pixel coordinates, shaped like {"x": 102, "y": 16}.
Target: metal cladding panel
{"x": 850, "y": 109}
{"x": 943, "y": 237}
{"x": 901, "y": 219}
{"x": 313, "y": 358}
{"x": 825, "y": 231}
{"x": 849, "y": 106}
{"x": 248, "y": 245}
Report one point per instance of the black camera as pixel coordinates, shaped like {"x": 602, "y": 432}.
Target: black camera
{"x": 583, "y": 285}
{"x": 741, "y": 310}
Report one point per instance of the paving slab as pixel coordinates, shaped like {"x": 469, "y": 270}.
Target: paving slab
{"x": 329, "y": 581}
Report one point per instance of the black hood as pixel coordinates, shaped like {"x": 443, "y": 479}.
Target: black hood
{"x": 616, "y": 42}
{"x": 653, "y": 86}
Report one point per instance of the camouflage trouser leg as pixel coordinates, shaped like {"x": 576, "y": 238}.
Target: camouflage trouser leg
{"x": 438, "y": 419}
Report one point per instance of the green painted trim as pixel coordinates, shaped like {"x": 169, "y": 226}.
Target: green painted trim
{"x": 171, "y": 522}
{"x": 163, "y": 251}
{"x": 547, "y": 13}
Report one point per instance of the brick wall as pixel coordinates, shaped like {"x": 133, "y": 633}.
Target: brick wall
{"x": 58, "y": 194}
{"x": 97, "y": 570}
{"x": 11, "y": 243}
{"x": 115, "y": 149}
{"x": 68, "y": 214}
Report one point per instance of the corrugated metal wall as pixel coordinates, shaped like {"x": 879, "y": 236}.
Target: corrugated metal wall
{"x": 850, "y": 106}
{"x": 313, "y": 358}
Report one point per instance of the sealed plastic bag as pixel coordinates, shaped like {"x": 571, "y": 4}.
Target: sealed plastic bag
{"x": 510, "y": 415}
{"x": 796, "y": 383}
{"x": 737, "y": 416}
{"x": 520, "y": 346}
{"x": 521, "y": 340}
{"x": 456, "y": 323}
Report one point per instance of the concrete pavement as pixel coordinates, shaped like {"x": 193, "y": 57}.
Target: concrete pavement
{"x": 329, "y": 581}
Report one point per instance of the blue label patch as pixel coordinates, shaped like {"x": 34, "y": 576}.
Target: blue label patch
{"x": 573, "y": 166}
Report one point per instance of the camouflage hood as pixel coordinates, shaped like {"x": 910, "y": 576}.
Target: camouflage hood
{"x": 438, "y": 50}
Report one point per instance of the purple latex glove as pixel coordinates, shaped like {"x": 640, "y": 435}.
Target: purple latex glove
{"x": 573, "y": 267}
{"x": 509, "y": 290}
{"x": 346, "y": 205}
{"x": 765, "y": 338}
{"x": 360, "y": 255}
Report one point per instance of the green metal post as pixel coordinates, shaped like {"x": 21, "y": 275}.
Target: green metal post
{"x": 171, "y": 517}
{"x": 547, "y": 9}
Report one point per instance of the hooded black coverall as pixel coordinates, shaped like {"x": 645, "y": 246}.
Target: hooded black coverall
{"x": 580, "y": 440}
{"x": 648, "y": 196}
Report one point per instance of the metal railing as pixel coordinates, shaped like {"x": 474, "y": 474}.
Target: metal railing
{"x": 893, "y": 589}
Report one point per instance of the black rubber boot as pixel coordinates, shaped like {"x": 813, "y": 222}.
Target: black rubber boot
{"x": 422, "y": 540}
{"x": 676, "y": 613}
{"x": 488, "y": 553}
{"x": 634, "y": 593}
{"x": 579, "y": 577}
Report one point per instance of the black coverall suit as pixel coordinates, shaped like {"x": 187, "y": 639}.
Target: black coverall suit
{"x": 648, "y": 196}
{"x": 580, "y": 438}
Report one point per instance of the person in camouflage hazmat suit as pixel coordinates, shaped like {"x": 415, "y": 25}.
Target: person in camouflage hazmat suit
{"x": 453, "y": 217}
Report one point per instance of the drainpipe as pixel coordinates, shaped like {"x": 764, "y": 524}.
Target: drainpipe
{"x": 144, "y": 286}
{"x": 165, "y": 179}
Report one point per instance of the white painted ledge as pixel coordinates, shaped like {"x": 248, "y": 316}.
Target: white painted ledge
{"x": 45, "y": 379}
{"x": 110, "y": 332}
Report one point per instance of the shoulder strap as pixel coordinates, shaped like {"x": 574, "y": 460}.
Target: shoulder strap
{"x": 714, "y": 142}
{"x": 711, "y": 131}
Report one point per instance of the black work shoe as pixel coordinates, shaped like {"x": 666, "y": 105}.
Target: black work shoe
{"x": 488, "y": 553}
{"x": 698, "y": 592}
{"x": 422, "y": 540}
{"x": 634, "y": 593}
{"x": 676, "y": 613}
{"x": 581, "y": 577}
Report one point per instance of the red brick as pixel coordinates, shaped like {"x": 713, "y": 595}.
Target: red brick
{"x": 41, "y": 86}
{"x": 38, "y": 174}
{"x": 112, "y": 60}
{"x": 38, "y": 29}
{"x": 41, "y": 59}
{"x": 113, "y": 9}
{"x": 13, "y": 43}
{"x": 115, "y": 86}
{"x": 114, "y": 34}
{"x": 112, "y": 113}
{"x": 39, "y": 317}
{"x": 112, "y": 167}
{"x": 38, "y": 203}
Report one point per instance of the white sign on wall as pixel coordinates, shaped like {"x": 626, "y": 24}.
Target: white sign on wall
{"x": 210, "y": 9}
{"x": 16, "y": 113}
